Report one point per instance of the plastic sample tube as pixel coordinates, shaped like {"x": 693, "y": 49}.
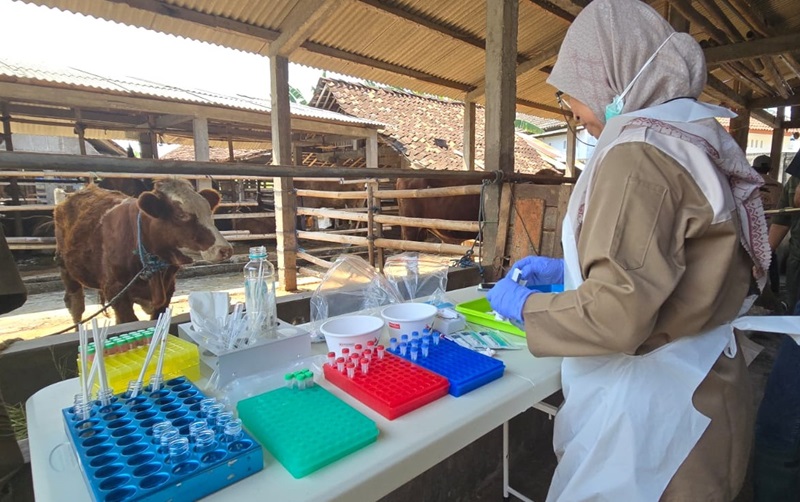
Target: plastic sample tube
{"x": 233, "y": 430}
{"x": 178, "y": 450}
{"x": 346, "y": 352}
{"x": 367, "y": 353}
{"x": 403, "y": 348}
{"x": 364, "y": 365}
{"x": 414, "y": 335}
{"x": 301, "y": 381}
{"x": 425, "y": 348}
{"x": 205, "y": 441}
{"x": 414, "y": 352}
{"x": 168, "y": 437}
{"x": 309, "y": 378}
{"x": 289, "y": 380}
{"x": 331, "y": 359}
{"x": 435, "y": 338}
{"x": 222, "y": 420}
{"x": 159, "y": 429}
{"x": 393, "y": 344}
{"x": 358, "y": 348}
{"x": 404, "y": 338}
{"x": 195, "y": 428}
{"x": 380, "y": 351}
{"x": 371, "y": 345}
{"x": 340, "y": 364}
{"x": 213, "y": 411}
{"x": 351, "y": 370}
{"x": 205, "y": 404}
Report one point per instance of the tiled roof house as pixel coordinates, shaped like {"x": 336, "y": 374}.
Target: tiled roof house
{"x": 427, "y": 131}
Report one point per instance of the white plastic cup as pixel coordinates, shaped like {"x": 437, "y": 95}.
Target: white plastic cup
{"x": 347, "y": 331}
{"x": 405, "y": 318}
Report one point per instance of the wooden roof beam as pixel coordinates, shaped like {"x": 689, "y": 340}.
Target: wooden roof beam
{"x": 724, "y": 93}
{"x": 771, "y": 102}
{"x": 534, "y": 63}
{"x": 383, "y": 65}
{"x": 752, "y": 49}
{"x": 556, "y": 9}
{"x": 426, "y": 21}
{"x": 213, "y": 21}
{"x": 162, "y": 8}
{"x": 300, "y": 24}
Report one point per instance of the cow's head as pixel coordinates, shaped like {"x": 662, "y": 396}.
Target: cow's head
{"x": 182, "y": 226}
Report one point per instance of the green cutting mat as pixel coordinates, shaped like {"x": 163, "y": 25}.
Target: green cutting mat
{"x": 306, "y": 429}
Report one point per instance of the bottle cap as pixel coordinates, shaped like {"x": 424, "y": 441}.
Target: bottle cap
{"x": 258, "y": 252}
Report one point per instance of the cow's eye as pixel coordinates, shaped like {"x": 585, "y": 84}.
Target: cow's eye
{"x": 184, "y": 216}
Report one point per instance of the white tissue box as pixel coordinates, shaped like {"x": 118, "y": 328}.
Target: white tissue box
{"x": 448, "y": 321}
{"x": 263, "y": 355}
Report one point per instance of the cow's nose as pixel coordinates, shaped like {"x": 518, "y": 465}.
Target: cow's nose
{"x": 225, "y": 253}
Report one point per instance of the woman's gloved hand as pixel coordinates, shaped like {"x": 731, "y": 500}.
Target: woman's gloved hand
{"x": 507, "y": 298}
{"x": 540, "y": 270}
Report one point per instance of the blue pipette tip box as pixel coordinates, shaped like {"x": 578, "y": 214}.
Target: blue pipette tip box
{"x": 465, "y": 369}
{"x": 120, "y": 461}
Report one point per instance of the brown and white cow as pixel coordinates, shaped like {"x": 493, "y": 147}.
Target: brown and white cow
{"x": 459, "y": 207}
{"x": 98, "y": 244}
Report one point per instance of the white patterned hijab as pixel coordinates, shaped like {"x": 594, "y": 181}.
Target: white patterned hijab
{"x": 607, "y": 45}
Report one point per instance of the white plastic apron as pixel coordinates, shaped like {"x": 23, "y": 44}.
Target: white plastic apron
{"x": 628, "y": 422}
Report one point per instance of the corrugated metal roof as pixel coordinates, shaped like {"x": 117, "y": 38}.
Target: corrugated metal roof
{"x": 370, "y": 39}
{"x": 133, "y": 86}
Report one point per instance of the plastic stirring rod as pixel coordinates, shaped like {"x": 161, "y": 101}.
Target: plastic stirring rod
{"x": 84, "y": 347}
{"x": 100, "y": 341}
{"x": 167, "y": 319}
{"x": 150, "y": 350}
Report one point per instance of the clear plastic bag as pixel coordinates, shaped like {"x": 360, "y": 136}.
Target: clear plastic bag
{"x": 350, "y": 285}
{"x": 417, "y": 275}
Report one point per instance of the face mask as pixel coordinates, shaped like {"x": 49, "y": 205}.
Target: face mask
{"x": 615, "y": 107}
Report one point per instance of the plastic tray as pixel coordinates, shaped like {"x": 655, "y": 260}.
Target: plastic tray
{"x": 277, "y": 419}
{"x": 180, "y": 358}
{"x": 392, "y": 386}
{"x": 465, "y": 369}
{"x": 480, "y": 312}
{"x": 120, "y": 461}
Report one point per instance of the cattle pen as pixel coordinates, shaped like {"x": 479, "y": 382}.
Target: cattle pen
{"x": 17, "y": 164}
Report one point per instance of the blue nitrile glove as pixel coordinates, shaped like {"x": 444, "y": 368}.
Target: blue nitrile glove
{"x": 540, "y": 270}
{"x": 507, "y": 298}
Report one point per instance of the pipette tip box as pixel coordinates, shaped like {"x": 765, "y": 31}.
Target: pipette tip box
{"x": 121, "y": 462}
{"x": 276, "y": 418}
{"x": 392, "y": 385}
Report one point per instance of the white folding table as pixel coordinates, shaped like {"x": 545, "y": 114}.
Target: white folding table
{"x": 406, "y": 446}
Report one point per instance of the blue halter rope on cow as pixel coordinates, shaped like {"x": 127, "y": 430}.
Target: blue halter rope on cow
{"x": 151, "y": 264}
{"x": 467, "y": 260}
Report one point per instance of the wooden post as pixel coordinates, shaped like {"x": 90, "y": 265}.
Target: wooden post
{"x": 201, "y": 148}
{"x": 469, "y": 135}
{"x": 79, "y": 130}
{"x": 572, "y": 146}
{"x": 740, "y": 128}
{"x": 13, "y": 186}
{"x": 285, "y": 203}
{"x": 372, "y": 149}
{"x": 501, "y": 88}
{"x": 370, "y": 226}
{"x": 231, "y": 154}
{"x": 776, "y": 150}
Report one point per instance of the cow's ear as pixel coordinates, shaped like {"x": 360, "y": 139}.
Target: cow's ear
{"x": 212, "y": 196}
{"x": 154, "y": 205}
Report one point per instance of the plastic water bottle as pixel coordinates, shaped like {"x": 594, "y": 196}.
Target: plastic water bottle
{"x": 259, "y": 292}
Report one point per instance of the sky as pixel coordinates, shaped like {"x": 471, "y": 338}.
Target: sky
{"x": 116, "y": 50}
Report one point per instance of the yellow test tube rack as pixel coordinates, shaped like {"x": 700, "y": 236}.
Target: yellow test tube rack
{"x": 126, "y": 354}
